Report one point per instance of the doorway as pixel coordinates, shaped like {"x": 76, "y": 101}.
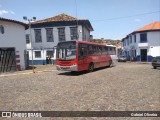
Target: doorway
{"x": 7, "y": 60}
{"x": 143, "y": 55}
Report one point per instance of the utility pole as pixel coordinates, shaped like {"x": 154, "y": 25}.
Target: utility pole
{"x": 30, "y": 20}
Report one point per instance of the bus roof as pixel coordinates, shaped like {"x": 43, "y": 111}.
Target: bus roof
{"x": 111, "y": 45}
{"x": 91, "y": 43}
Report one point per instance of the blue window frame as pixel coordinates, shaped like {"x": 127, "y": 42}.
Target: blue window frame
{"x": 143, "y": 37}
{"x": 37, "y": 54}
{"x": 38, "y": 37}
{"x": 130, "y": 38}
{"x": 49, "y": 34}
{"x": 135, "y": 38}
{"x": 61, "y": 34}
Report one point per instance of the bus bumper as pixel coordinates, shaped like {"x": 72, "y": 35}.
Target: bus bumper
{"x": 67, "y": 68}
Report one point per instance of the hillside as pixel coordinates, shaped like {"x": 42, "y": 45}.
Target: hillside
{"x": 107, "y": 41}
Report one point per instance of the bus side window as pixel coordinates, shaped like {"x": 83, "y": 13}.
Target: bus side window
{"x": 94, "y": 50}
{"x": 104, "y": 51}
{"x": 114, "y": 51}
{"x": 100, "y": 50}
{"x": 109, "y": 50}
{"x": 97, "y": 50}
{"x": 82, "y": 51}
{"x": 90, "y": 50}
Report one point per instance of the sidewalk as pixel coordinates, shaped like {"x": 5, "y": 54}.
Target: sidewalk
{"x": 37, "y": 69}
{"x": 139, "y": 62}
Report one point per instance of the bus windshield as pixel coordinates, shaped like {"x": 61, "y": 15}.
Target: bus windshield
{"x": 66, "y": 50}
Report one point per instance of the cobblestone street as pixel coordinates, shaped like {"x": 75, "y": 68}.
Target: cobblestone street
{"x": 126, "y": 87}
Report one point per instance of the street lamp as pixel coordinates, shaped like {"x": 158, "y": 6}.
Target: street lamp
{"x": 29, "y": 21}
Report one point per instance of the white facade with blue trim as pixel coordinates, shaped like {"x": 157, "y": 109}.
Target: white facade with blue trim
{"x": 12, "y": 36}
{"x": 142, "y": 44}
{"x": 48, "y": 32}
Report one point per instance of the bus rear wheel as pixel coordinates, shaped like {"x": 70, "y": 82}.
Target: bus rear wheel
{"x": 110, "y": 63}
{"x": 91, "y": 67}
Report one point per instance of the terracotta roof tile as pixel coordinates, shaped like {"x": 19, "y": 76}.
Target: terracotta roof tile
{"x": 153, "y": 26}
{"x": 60, "y": 17}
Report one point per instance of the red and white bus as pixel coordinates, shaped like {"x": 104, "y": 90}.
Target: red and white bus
{"x": 81, "y": 55}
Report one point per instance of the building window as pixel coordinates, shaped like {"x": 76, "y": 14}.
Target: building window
{"x": 49, "y": 53}
{"x": 73, "y": 32}
{"x": 83, "y": 34}
{"x": 135, "y": 38}
{"x": 130, "y": 38}
{"x": 143, "y": 37}
{"x": 61, "y": 34}
{"x": 27, "y": 38}
{"x": 128, "y": 41}
{"x": 49, "y": 34}
{"x": 38, "y": 37}
{"x": 2, "y": 29}
{"x": 37, "y": 54}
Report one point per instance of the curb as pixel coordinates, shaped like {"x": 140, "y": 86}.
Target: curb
{"x": 24, "y": 73}
{"x": 139, "y": 62}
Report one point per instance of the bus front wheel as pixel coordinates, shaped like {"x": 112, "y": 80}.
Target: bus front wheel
{"x": 91, "y": 67}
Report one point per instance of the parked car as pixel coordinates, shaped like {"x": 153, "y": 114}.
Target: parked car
{"x": 122, "y": 58}
{"x": 156, "y": 62}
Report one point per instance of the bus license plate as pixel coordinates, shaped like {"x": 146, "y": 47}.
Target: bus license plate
{"x": 64, "y": 68}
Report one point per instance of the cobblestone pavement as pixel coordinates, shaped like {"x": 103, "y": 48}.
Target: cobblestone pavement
{"x": 126, "y": 87}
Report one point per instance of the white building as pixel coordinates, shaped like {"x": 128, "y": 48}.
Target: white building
{"x": 12, "y": 45}
{"x": 48, "y": 32}
{"x": 143, "y": 44}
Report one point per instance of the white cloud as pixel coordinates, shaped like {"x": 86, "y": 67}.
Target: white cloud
{"x": 137, "y": 20}
{"x": 12, "y": 12}
{"x": 3, "y": 12}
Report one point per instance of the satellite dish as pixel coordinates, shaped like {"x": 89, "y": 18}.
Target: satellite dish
{"x": 24, "y": 18}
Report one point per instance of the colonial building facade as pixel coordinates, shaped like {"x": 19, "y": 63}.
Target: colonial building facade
{"x": 48, "y": 32}
{"x": 142, "y": 44}
{"x": 12, "y": 45}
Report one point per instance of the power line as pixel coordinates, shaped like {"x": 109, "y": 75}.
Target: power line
{"x": 125, "y": 16}
{"x": 76, "y": 18}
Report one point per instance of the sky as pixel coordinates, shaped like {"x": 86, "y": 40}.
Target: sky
{"x": 110, "y": 19}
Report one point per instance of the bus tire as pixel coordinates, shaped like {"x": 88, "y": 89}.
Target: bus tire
{"x": 91, "y": 67}
{"x": 110, "y": 63}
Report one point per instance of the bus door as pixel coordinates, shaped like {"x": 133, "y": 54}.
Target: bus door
{"x": 82, "y": 57}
